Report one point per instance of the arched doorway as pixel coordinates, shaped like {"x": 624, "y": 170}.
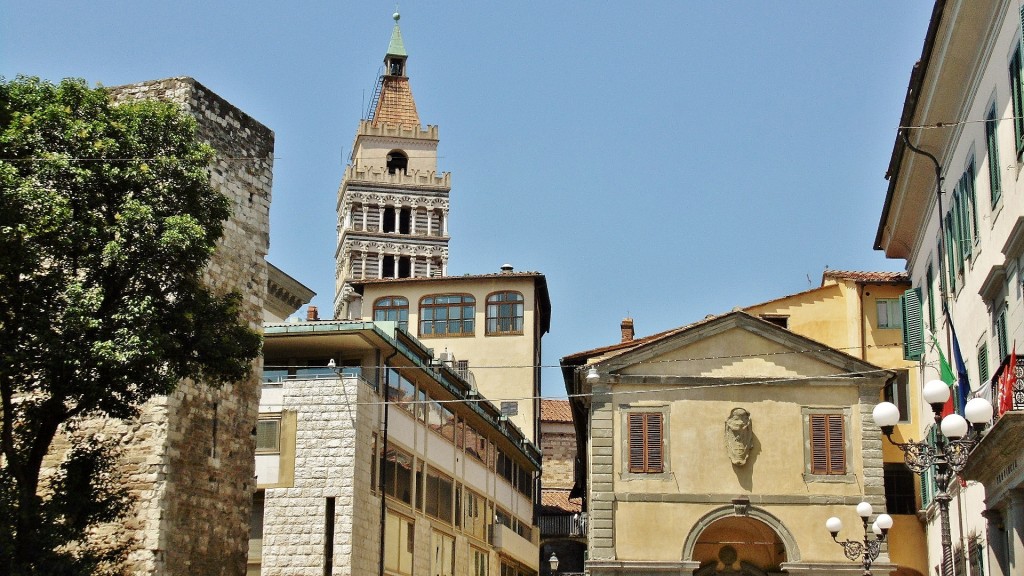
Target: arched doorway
{"x": 725, "y": 543}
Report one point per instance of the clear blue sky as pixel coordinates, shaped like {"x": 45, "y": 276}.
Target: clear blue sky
{"x": 662, "y": 160}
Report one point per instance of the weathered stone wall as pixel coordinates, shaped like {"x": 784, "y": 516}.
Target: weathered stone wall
{"x": 558, "y": 445}
{"x": 188, "y": 458}
{"x": 333, "y": 455}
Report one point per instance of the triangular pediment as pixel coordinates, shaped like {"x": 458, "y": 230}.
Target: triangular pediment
{"x": 735, "y": 346}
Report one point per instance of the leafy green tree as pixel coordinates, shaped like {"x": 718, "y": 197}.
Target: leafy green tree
{"x": 107, "y": 221}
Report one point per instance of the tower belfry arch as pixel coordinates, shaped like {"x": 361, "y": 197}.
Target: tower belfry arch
{"x": 393, "y": 203}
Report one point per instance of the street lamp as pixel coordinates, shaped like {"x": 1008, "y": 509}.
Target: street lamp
{"x": 553, "y": 561}
{"x": 867, "y": 549}
{"x": 949, "y": 454}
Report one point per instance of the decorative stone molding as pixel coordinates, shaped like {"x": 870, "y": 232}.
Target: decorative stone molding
{"x": 393, "y": 199}
{"x": 792, "y": 551}
{"x": 380, "y": 175}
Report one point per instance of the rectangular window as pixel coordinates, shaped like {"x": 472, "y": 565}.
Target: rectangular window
{"x": 478, "y": 559}
{"x": 889, "y": 313}
{"x": 399, "y": 543}
{"x": 1000, "y": 328}
{"x": 991, "y": 141}
{"x": 976, "y": 555}
{"x": 437, "y": 496}
{"x": 899, "y": 489}
{"x": 1017, "y": 99}
{"x": 477, "y": 515}
{"x": 646, "y": 449}
{"x": 268, "y": 435}
{"x": 898, "y": 392}
{"x": 398, "y": 478}
{"x": 442, "y": 557}
{"x": 447, "y": 315}
{"x": 828, "y": 444}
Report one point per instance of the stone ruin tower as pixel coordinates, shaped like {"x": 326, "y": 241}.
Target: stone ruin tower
{"x": 393, "y": 203}
{"x": 189, "y": 457}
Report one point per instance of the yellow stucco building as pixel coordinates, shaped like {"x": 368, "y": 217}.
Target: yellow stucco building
{"x": 721, "y": 447}
{"x": 859, "y": 313}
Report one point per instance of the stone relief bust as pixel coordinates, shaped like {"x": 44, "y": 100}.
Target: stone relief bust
{"x": 739, "y": 437}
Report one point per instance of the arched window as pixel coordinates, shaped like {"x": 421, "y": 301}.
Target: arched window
{"x": 447, "y": 315}
{"x": 393, "y": 309}
{"x": 505, "y": 313}
{"x": 397, "y": 161}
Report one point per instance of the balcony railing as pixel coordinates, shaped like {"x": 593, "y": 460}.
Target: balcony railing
{"x": 1018, "y": 384}
{"x": 574, "y": 525}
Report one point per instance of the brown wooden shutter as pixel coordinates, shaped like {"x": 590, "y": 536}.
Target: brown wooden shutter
{"x": 836, "y": 445}
{"x": 636, "y": 442}
{"x": 655, "y": 460}
{"x": 828, "y": 444}
{"x": 819, "y": 444}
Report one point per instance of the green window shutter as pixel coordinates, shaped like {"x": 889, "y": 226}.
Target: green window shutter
{"x": 913, "y": 328}
{"x": 930, "y": 284}
{"x": 983, "y": 363}
{"x": 1017, "y": 99}
{"x": 1001, "y": 334}
{"x": 972, "y": 200}
{"x": 994, "y": 173}
{"x": 951, "y": 251}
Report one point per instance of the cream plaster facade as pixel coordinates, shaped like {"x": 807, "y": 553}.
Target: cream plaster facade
{"x": 504, "y": 367}
{"x": 699, "y": 513}
{"x": 968, "y": 79}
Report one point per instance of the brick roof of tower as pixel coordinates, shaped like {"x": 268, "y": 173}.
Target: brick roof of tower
{"x": 396, "y": 105}
{"x": 555, "y": 411}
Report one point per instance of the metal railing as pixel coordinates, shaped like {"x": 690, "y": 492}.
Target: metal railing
{"x": 563, "y": 525}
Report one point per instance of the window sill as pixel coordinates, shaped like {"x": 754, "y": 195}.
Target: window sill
{"x": 519, "y": 333}
{"x": 662, "y": 476}
{"x": 448, "y": 335}
{"x": 830, "y": 478}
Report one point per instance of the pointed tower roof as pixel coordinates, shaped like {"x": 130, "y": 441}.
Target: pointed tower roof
{"x": 395, "y": 104}
{"x": 396, "y": 47}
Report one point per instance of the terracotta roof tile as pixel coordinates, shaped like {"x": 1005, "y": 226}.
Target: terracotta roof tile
{"x": 893, "y": 277}
{"x": 553, "y": 501}
{"x": 555, "y": 411}
{"x": 396, "y": 105}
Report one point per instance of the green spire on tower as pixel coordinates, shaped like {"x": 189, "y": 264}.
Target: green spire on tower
{"x": 396, "y": 47}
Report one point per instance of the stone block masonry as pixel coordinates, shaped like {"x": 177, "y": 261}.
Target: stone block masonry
{"x": 189, "y": 457}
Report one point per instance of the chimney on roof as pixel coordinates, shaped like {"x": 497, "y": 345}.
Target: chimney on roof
{"x": 311, "y": 314}
{"x": 506, "y": 268}
{"x": 627, "y": 329}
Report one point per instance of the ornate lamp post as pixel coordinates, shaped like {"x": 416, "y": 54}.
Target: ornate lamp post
{"x": 553, "y": 561}
{"x": 949, "y": 454}
{"x": 865, "y": 550}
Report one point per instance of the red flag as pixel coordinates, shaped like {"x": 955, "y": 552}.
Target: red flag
{"x": 1006, "y": 381}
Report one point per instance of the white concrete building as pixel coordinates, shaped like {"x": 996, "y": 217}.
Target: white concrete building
{"x": 435, "y": 482}
{"x": 965, "y": 107}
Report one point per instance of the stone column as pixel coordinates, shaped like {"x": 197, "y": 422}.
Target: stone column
{"x": 429, "y": 262}
{"x": 412, "y": 219}
{"x": 1015, "y": 531}
{"x": 362, "y": 263}
{"x": 430, "y": 222}
{"x": 365, "y": 210}
{"x": 395, "y": 258}
{"x": 380, "y": 218}
{"x": 444, "y": 223}
{"x": 380, "y": 264}
{"x": 998, "y": 563}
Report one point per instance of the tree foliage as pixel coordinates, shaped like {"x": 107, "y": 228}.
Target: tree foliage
{"x": 107, "y": 221}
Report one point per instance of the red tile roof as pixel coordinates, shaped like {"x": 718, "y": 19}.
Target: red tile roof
{"x": 554, "y": 500}
{"x": 887, "y": 277}
{"x": 555, "y": 411}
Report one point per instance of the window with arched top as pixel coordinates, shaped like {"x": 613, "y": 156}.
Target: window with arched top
{"x": 447, "y": 315}
{"x": 398, "y": 161}
{"x": 392, "y": 309}
{"x": 504, "y": 313}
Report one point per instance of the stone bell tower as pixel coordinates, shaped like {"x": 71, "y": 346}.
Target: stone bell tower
{"x": 392, "y": 204}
